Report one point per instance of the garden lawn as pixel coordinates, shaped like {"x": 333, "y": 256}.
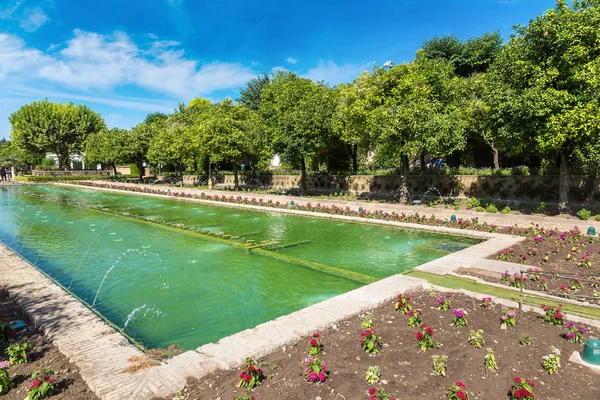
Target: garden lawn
{"x": 407, "y": 372}
{"x": 70, "y": 385}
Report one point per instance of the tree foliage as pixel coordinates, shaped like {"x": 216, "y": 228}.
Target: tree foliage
{"x": 106, "y": 147}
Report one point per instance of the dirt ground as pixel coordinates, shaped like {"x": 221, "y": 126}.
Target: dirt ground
{"x": 406, "y": 372}
{"x": 70, "y": 385}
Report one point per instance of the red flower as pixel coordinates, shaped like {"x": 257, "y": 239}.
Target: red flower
{"x": 461, "y": 385}
{"x": 372, "y": 390}
{"x": 461, "y": 395}
{"x": 316, "y": 335}
{"x": 420, "y": 336}
{"x": 247, "y": 377}
{"x": 251, "y": 368}
{"x": 242, "y": 375}
{"x": 313, "y": 342}
{"x": 35, "y": 383}
{"x": 429, "y": 331}
{"x": 517, "y": 380}
{"x": 259, "y": 371}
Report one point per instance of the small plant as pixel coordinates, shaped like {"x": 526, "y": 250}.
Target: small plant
{"x": 373, "y": 374}
{"x": 522, "y": 259}
{"x": 551, "y": 362}
{"x": 18, "y": 353}
{"x": 443, "y": 302}
{"x": 315, "y": 345}
{"x": 402, "y": 304}
{"x": 506, "y": 210}
{"x": 472, "y": 203}
{"x": 476, "y": 338}
{"x": 493, "y": 228}
{"x": 415, "y": 318}
{"x": 367, "y": 322}
{"x": 479, "y": 209}
{"x": 509, "y": 318}
{"x": 425, "y": 337}
{"x": 244, "y": 397}
{"x": 525, "y": 340}
{"x": 370, "y": 342}
{"x": 554, "y": 315}
{"x": 491, "y": 209}
{"x": 584, "y": 214}
{"x": 458, "y": 391}
{"x": 42, "y": 385}
{"x": 490, "y": 360}
{"x": 487, "y": 302}
{"x": 541, "y": 208}
{"x": 432, "y": 292}
{"x": 6, "y": 332}
{"x": 460, "y": 318}
{"x": 575, "y": 333}
{"x": 5, "y": 381}
{"x": 440, "y": 363}
{"x": 379, "y": 394}
{"x": 251, "y": 375}
{"x": 316, "y": 370}
{"x": 522, "y": 389}
{"x": 597, "y": 217}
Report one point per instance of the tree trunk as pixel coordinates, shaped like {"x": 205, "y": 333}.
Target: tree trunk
{"x": 303, "y": 176}
{"x": 355, "y": 158}
{"x": 403, "y": 190}
{"x": 140, "y": 166}
{"x": 423, "y": 161}
{"x": 181, "y": 173}
{"x": 114, "y": 169}
{"x": 63, "y": 160}
{"x": 563, "y": 183}
{"x": 235, "y": 177}
{"x": 496, "y": 157}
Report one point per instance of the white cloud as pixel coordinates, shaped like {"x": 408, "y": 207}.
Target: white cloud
{"x": 15, "y": 58}
{"x": 33, "y": 19}
{"x": 8, "y": 11}
{"x": 291, "y": 60}
{"x": 331, "y": 73}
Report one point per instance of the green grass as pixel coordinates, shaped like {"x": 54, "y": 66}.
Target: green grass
{"x": 453, "y": 282}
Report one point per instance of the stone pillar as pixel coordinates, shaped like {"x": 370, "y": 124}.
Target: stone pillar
{"x": 13, "y": 173}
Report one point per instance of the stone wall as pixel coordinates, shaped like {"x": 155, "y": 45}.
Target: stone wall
{"x": 584, "y": 189}
{"x": 72, "y": 173}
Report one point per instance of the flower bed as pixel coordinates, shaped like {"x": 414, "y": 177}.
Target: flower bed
{"x": 51, "y": 368}
{"x": 403, "y": 370}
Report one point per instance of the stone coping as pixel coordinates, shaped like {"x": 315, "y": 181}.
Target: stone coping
{"x": 101, "y": 352}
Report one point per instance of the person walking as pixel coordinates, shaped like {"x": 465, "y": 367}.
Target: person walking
{"x": 3, "y": 173}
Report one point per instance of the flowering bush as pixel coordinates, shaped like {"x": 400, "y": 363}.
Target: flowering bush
{"x": 316, "y": 370}
{"x": 476, "y": 338}
{"x": 522, "y": 389}
{"x": 564, "y": 291}
{"x": 18, "y": 353}
{"x": 425, "y": 337}
{"x": 508, "y": 319}
{"x": 251, "y": 375}
{"x": 414, "y": 318}
{"x": 440, "y": 363}
{"x": 315, "y": 345}
{"x": 373, "y": 374}
{"x": 6, "y": 332}
{"x": 553, "y": 315}
{"x": 460, "y": 318}
{"x": 458, "y": 391}
{"x": 402, "y": 304}
{"x": 575, "y": 333}
{"x": 551, "y": 362}
{"x": 370, "y": 341}
{"x": 486, "y": 302}
{"x": 490, "y": 360}
{"x": 42, "y": 385}
{"x": 443, "y": 302}
{"x": 517, "y": 280}
{"x": 5, "y": 381}
{"x": 379, "y": 394}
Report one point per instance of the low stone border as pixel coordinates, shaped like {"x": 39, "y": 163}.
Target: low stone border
{"x": 100, "y": 352}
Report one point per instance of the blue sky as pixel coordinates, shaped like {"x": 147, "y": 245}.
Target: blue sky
{"x": 126, "y": 58}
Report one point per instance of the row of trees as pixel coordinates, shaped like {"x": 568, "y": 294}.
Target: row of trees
{"x": 535, "y": 96}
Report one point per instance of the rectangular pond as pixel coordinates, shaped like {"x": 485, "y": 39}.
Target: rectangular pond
{"x": 164, "y": 284}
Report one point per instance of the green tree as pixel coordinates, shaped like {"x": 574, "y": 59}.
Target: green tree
{"x": 297, "y": 114}
{"x": 46, "y": 127}
{"x": 137, "y": 142}
{"x": 155, "y": 117}
{"x": 251, "y": 95}
{"x": 545, "y": 85}
{"x": 224, "y": 134}
{"x": 106, "y": 147}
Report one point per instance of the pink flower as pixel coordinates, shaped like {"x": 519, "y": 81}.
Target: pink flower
{"x": 312, "y": 376}
{"x": 35, "y": 383}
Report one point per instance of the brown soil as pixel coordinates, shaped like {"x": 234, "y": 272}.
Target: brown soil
{"x": 70, "y": 384}
{"x": 405, "y": 371}
{"x": 563, "y": 258}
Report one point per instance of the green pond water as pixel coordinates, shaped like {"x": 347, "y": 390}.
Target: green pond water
{"x": 163, "y": 285}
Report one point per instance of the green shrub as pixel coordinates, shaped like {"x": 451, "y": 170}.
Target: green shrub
{"x": 491, "y": 209}
{"x": 48, "y": 164}
{"x": 457, "y": 207}
{"x": 479, "y": 209}
{"x": 584, "y": 214}
{"x": 472, "y": 202}
{"x": 541, "y": 208}
{"x": 597, "y": 218}
{"x": 134, "y": 170}
{"x": 506, "y": 210}
{"x": 60, "y": 178}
